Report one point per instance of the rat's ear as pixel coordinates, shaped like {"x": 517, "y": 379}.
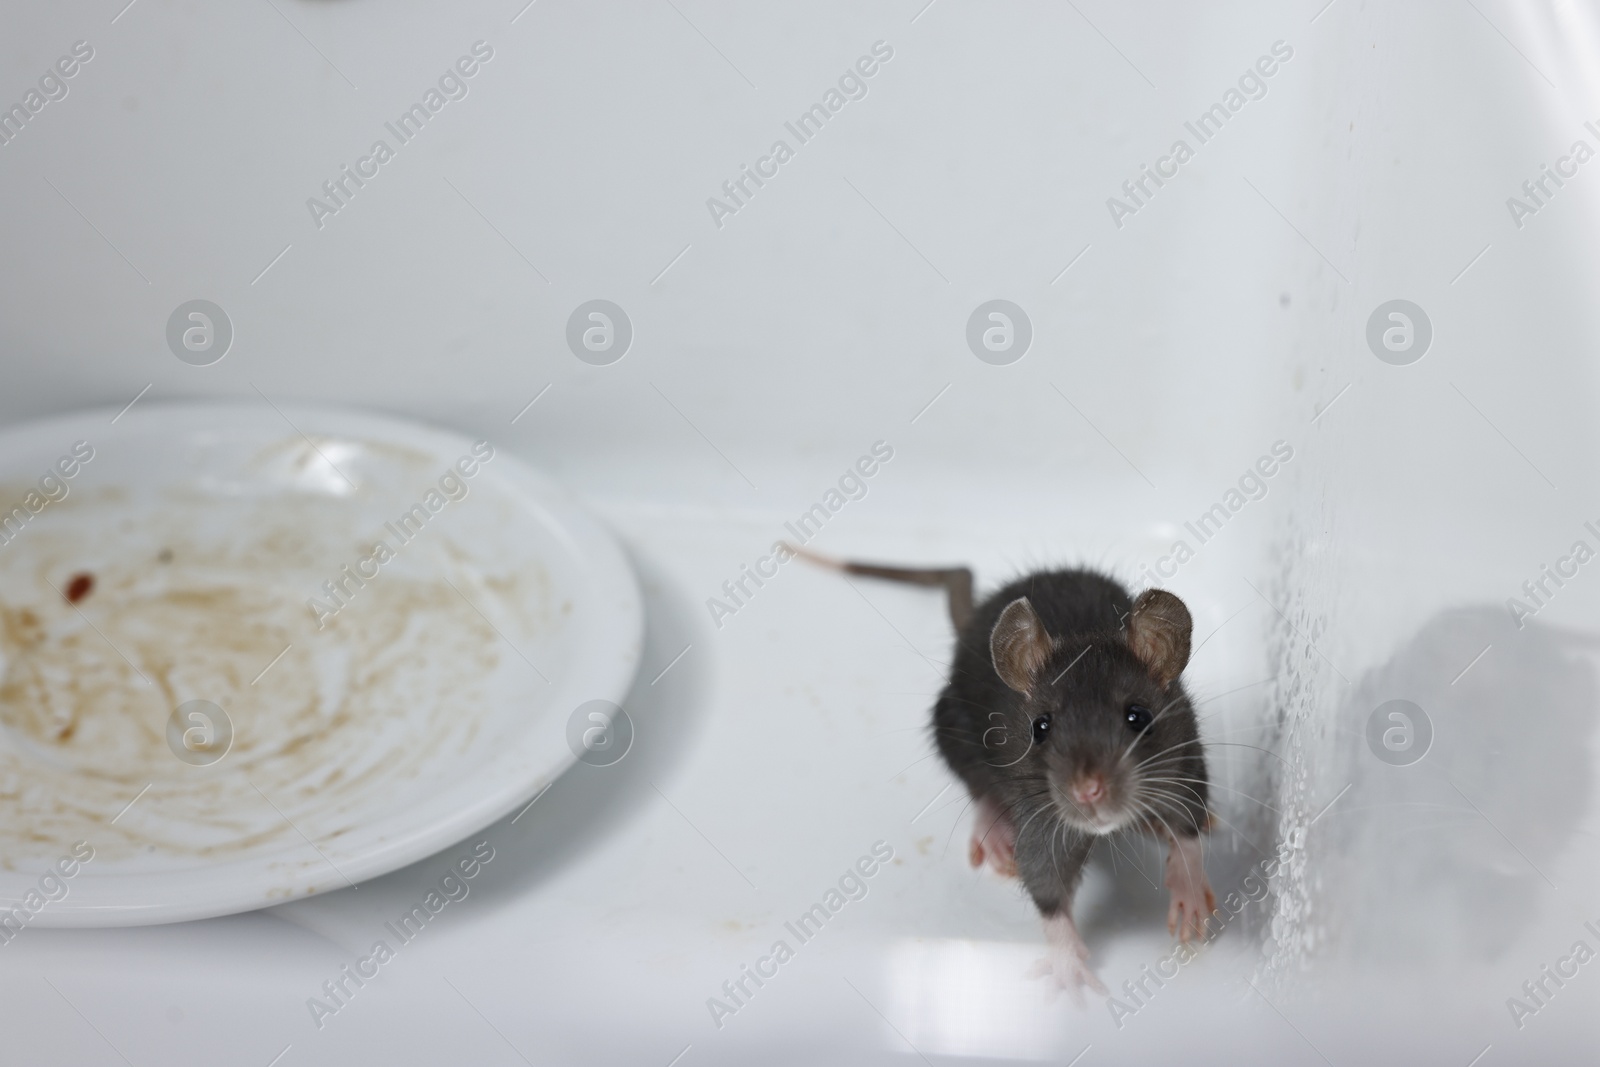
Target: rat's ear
{"x": 1158, "y": 633}
{"x": 1019, "y": 645}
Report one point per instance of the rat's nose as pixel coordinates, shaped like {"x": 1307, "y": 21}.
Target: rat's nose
{"x": 1089, "y": 789}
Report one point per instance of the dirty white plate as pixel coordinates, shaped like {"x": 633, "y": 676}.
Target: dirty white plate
{"x": 183, "y": 699}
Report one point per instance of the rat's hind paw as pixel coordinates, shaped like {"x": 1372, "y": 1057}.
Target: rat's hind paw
{"x": 994, "y": 838}
{"x": 1192, "y": 899}
{"x": 1069, "y": 972}
{"x": 1068, "y": 961}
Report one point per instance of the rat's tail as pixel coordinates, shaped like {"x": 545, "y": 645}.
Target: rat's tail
{"x": 957, "y": 581}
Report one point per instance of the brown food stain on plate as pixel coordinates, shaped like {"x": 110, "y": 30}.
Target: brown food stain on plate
{"x": 81, "y": 585}
{"x": 364, "y": 706}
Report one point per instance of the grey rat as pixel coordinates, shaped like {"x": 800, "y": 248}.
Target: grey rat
{"x": 1065, "y": 718}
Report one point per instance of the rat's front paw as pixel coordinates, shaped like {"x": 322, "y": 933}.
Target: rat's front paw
{"x": 1192, "y": 899}
{"x": 1186, "y": 914}
{"x": 994, "y": 838}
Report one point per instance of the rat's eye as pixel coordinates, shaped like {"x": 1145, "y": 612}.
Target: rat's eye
{"x": 1137, "y": 716}
{"x": 1041, "y": 728}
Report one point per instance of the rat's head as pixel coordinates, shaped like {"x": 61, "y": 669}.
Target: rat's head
{"x": 1105, "y": 728}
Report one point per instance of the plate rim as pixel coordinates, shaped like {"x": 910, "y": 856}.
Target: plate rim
{"x": 615, "y": 587}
